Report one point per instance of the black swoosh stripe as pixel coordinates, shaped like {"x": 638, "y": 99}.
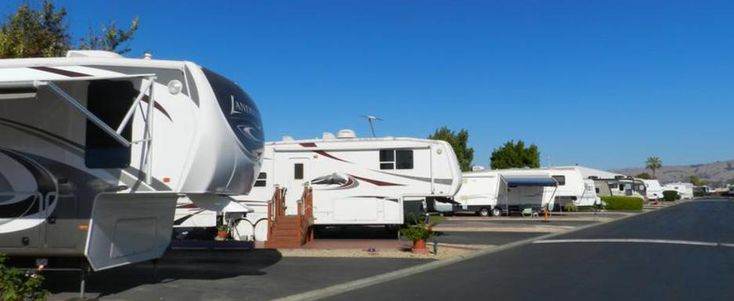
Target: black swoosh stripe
{"x": 45, "y": 183}
{"x": 60, "y": 71}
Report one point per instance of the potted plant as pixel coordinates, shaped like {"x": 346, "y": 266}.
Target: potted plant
{"x": 222, "y": 232}
{"x": 419, "y": 231}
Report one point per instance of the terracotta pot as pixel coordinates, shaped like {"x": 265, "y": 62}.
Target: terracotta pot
{"x": 419, "y": 246}
{"x": 222, "y": 234}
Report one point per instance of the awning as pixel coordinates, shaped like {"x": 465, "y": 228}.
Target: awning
{"x": 529, "y": 180}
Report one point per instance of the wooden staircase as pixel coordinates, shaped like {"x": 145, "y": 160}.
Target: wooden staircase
{"x": 290, "y": 231}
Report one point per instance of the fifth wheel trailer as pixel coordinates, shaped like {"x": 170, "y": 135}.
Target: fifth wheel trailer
{"x": 97, "y": 149}
{"x": 355, "y": 181}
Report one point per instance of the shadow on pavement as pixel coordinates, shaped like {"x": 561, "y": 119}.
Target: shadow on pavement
{"x": 174, "y": 265}
{"x": 356, "y": 232}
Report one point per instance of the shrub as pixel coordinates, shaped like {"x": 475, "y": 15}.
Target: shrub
{"x": 670, "y": 195}
{"x": 570, "y": 207}
{"x": 17, "y": 285}
{"x": 420, "y": 228}
{"x": 622, "y": 202}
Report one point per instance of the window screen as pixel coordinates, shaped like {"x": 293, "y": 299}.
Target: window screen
{"x": 560, "y": 179}
{"x": 298, "y": 171}
{"x": 109, "y": 101}
{"x": 404, "y": 159}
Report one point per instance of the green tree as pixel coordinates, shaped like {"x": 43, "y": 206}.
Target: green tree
{"x": 653, "y": 163}
{"x": 458, "y": 142}
{"x": 696, "y": 181}
{"x": 111, "y": 38}
{"x": 43, "y": 32}
{"x": 643, "y": 175}
{"x": 515, "y": 155}
{"x": 33, "y": 32}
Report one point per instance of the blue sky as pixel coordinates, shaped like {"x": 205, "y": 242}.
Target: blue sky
{"x": 598, "y": 83}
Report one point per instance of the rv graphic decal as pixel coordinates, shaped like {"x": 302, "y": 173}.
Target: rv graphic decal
{"x": 24, "y": 187}
{"x": 335, "y": 181}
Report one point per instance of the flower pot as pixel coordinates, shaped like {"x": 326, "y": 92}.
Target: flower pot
{"x": 222, "y": 235}
{"x": 419, "y": 246}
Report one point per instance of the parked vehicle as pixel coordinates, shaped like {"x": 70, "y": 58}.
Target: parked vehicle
{"x": 653, "y": 190}
{"x": 685, "y": 190}
{"x": 502, "y": 192}
{"x": 97, "y": 149}
{"x": 355, "y": 181}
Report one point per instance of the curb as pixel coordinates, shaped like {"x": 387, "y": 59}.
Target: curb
{"x": 385, "y": 277}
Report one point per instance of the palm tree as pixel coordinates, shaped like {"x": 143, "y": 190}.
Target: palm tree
{"x": 654, "y": 163}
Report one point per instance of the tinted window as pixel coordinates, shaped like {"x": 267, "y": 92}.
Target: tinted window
{"x": 404, "y": 159}
{"x": 298, "y": 171}
{"x": 560, "y": 179}
{"x": 387, "y": 155}
{"x": 261, "y": 180}
{"x": 387, "y": 165}
{"x": 109, "y": 101}
{"x": 240, "y": 112}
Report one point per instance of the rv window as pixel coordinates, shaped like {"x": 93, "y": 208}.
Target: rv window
{"x": 261, "y": 180}
{"x": 597, "y": 190}
{"x": 387, "y": 165}
{"x": 298, "y": 171}
{"x": 404, "y": 159}
{"x": 560, "y": 179}
{"x": 387, "y": 155}
{"x": 109, "y": 101}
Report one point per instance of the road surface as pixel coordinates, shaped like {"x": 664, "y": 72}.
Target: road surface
{"x": 685, "y": 252}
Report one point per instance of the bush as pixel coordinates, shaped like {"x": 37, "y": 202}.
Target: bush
{"x": 670, "y": 195}
{"x": 570, "y": 207}
{"x": 420, "y": 228}
{"x": 622, "y": 202}
{"x": 17, "y": 285}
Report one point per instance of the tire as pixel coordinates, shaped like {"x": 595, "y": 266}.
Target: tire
{"x": 496, "y": 211}
{"x": 484, "y": 211}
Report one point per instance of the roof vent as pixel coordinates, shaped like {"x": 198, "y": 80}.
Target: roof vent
{"x": 328, "y": 136}
{"x": 346, "y": 133}
{"x": 93, "y": 53}
{"x": 288, "y": 138}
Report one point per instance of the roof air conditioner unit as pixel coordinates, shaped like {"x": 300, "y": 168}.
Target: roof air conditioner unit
{"x": 346, "y": 133}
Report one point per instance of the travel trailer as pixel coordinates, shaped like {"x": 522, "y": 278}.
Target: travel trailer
{"x": 97, "y": 149}
{"x": 501, "y": 192}
{"x": 613, "y": 184}
{"x": 653, "y": 190}
{"x": 355, "y": 181}
{"x": 685, "y": 190}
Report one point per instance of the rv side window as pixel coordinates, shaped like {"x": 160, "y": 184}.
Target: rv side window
{"x": 404, "y": 159}
{"x": 387, "y": 159}
{"x": 560, "y": 179}
{"x": 597, "y": 190}
{"x": 298, "y": 171}
{"x": 109, "y": 101}
{"x": 261, "y": 180}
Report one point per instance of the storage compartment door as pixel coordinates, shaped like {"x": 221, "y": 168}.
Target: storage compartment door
{"x": 129, "y": 228}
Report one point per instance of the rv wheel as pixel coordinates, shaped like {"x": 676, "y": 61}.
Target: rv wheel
{"x": 484, "y": 211}
{"x": 496, "y": 211}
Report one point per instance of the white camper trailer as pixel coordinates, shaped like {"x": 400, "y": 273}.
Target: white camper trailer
{"x": 497, "y": 193}
{"x": 653, "y": 190}
{"x": 573, "y": 187}
{"x": 613, "y": 184}
{"x": 97, "y": 149}
{"x": 685, "y": 190}
{"x": 355, "y": 181}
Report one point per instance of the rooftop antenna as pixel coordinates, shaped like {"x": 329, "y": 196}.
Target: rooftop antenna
{"x": 370, "y": 119}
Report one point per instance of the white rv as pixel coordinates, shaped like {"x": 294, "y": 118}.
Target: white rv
{"x": 503, "y": 191}
{"x": 685, "y": 190}
{"x": 355, "y": 181}
{"x": 653, "y": 190}
{"x": 573, "y": 187}
{"x": 97, "y": 149}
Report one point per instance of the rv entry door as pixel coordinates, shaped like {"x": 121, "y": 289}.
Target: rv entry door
{"x": 298, "y": 175}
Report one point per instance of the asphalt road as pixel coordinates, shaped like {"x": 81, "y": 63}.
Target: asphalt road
{"x": 221, "y": 275}
{"x": 671, "y": 254}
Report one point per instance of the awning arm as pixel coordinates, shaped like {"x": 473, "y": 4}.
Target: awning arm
{"x": 79, "y": 107}
{"x": 132, "y": 109}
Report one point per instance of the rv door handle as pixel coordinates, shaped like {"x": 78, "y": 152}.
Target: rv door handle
{"x": 51, "y": 220}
